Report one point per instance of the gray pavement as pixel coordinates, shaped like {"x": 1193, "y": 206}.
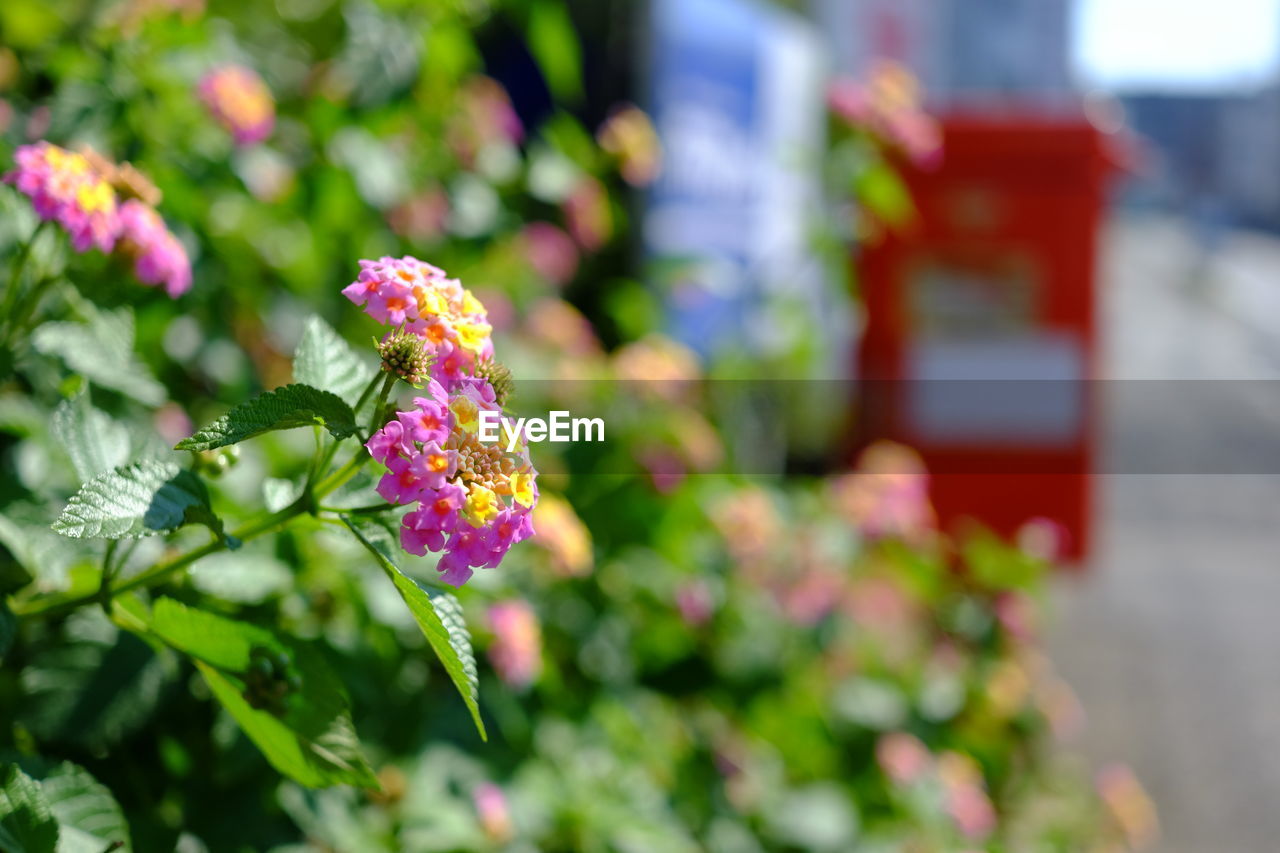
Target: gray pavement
{"x": 1171, "y": 637}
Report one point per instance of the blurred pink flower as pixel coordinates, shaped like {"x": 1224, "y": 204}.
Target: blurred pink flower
{"x": 550, "y": 251}
{"x": 888, "y": 105}
{"x": 422, "y": 217}
{"x": 695, "y": 603}
{"x": 485, "y": 116}
{"x": 903, "y": 757}
{"x": 888, "y": 495}
{"x": 159, "y": 259}
{"x": 558, "y": 324}
{"x": 65, "y": 188}
{"x": 1043, "y": 538}
{"x": 966, "y": 797}
{"x": 240, "y": 101}
{"x": 588, "y": 214}
{"x": 563, "y": 535}
{"x": 630, "y": 137}
{"x": 493, "y": 812}
{"x": 1017, "y": 615}
{"x": 1129, "y": 805}
{"x": 814, "y": 595}
{"x": 516, "y": 651}
{"x": 172, "y": 423}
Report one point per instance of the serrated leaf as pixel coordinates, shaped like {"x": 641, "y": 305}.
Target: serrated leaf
{"x": 26, "y": 823}
{"x": 141, "y": 499}
{"x": 284, "y": 408}
{"x": 89, "y": 819}
{"x": 439, "y": 615}
{"x": 313, "y": 742}
{"x": 102, "y": 350}
{"x": 94, "y": 441}
{"x": 324, "y": 360}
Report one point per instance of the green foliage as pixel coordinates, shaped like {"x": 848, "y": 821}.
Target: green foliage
{"x": 141, "y": 499}
{"x": 102, "y": 351}
{"x": 556, "y": 47}
{"x": 27, "y": 824}
{"x": 89, "y": 819}
{"x": 289, "y": 407}
{"x": 313, "y": 741}
{"x": 94, "y": 441}
{"x": 438, "y": 615}
{"x": 324, "y": 360}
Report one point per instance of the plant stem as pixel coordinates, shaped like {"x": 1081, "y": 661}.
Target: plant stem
{"x": 15, "y": 280}
{"x": 53, "y": 607}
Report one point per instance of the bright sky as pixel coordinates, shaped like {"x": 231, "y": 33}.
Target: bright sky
{"x": 1176, "y": 44}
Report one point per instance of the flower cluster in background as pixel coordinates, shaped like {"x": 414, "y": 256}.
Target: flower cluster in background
{"x": 64, "y": 188}
{"x": 78, "y": 191}
{"x": 240, "y": 101}
{"x": 888, "y": 105}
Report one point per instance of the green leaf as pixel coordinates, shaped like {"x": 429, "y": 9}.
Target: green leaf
{"x": 137, "y": 500}
{"x": 325, "y": 361}
{"x": 26, "y": 823}
{"x": 284, "y": 408}
{"x": 885, "y": 195}
{"x": 94, "y": 441}
{"x": 89, "y": 819}
{"x": 96, "y": 688}
{"x": 247, "y": 576}
{"x": 438, "y": 615}
{"x": 44, "y": 555}
{"x": 313, "y": 742}
{"x": 8, "y": 629}
{"x": 554, "y": 44}
{"x": 102, "y": 351}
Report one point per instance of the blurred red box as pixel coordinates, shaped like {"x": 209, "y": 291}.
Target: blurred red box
{"x": 981, "y": 345}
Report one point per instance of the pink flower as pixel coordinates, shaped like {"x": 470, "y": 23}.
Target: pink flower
{"x": 437, "y": 515}
{"x": 629, "y": 136}
{"x": 389, "y": 442}
{"x": 903, "y": 758}
{"x": 493, "y": 813}
{"x": 694, "y": 601}
{"x": 888, "y": 496}
{"x": 65, "y": 188}
{"x": 474, "y": 500}
{"x": 158, "y": 256}
{"x": 419, "y": 297}
{"x": 966, "y": 797}
{"x": 550, "y": 251}
{"x": 240, "y": 101}
{"x": 588, "y": 215}
{"x": 516, "y": 652}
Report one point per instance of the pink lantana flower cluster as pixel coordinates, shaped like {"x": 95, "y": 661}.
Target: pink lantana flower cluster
{"x": 474, "y": 500}
{"x": 890, "y": 105}
{"x": 159, "y": 259}
{"x": 240, "y": 102}
{"x": 78, "y": 192}
{"x": 65, "y": 188}
{"x": 415, "y": 296}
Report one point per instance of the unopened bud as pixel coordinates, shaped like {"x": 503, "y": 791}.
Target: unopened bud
{"x": 498, "y": 375}
{"x": 403, "y": 354}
